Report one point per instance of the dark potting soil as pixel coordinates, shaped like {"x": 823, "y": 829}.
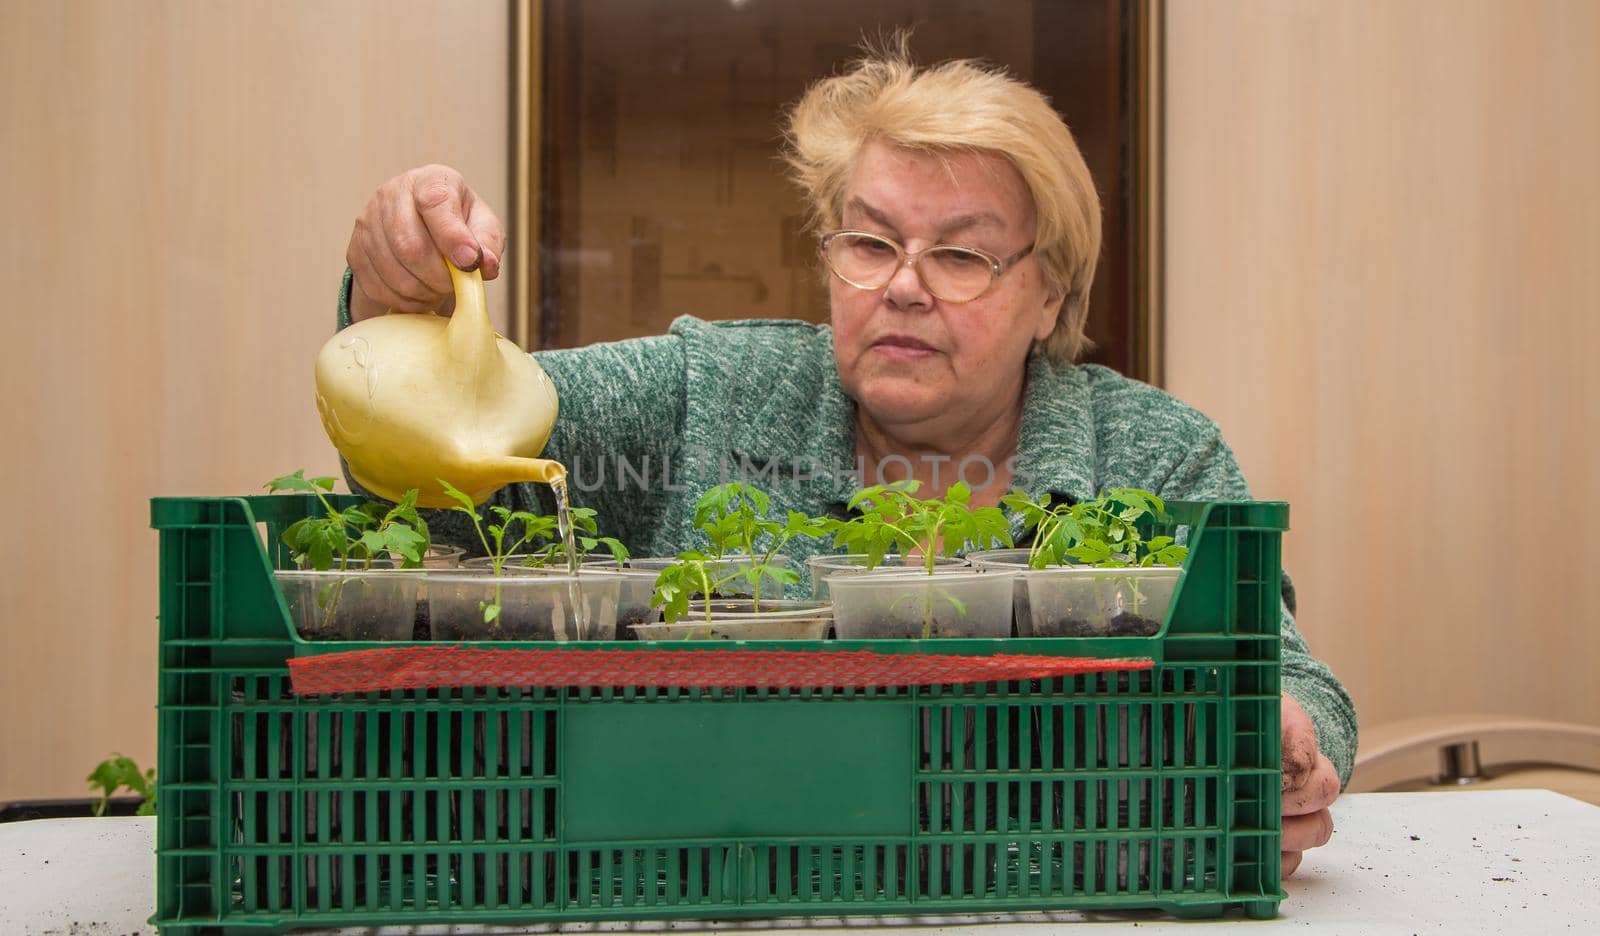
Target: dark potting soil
{"x": 1065, "y": 627}
{"x": 628, "y": 617}
{"x": 894, "y": 627}
{"x": 320, "y": 630}
{"x": 516, "y": 623}
{"x": 421, "y": 629}
{"x": 1121, "y": 624}
{"x": 943, "y": 628}
{"x": 422, "y": 626}
{"x": 1128, "y": 624}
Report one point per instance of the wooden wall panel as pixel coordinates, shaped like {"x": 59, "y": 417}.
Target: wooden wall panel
{"x": 180, "y": 180}
{"x": 1383, "y": 221}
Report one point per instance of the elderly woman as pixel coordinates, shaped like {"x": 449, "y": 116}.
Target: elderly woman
{"x": 961, "y": 230}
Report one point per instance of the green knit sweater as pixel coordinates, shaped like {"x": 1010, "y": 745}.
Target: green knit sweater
{"x": 648, "y": 424}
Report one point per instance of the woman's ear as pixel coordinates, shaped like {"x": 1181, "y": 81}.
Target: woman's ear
{"x": 1050, "y": 312}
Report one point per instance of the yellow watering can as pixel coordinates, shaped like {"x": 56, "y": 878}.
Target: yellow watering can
{"x": 408, "y": 399}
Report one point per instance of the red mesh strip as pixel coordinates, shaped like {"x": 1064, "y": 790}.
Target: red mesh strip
{"x": 458, "y": 666}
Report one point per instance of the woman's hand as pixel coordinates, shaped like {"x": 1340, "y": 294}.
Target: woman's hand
{"x": 1310, "y": 785}
{"x": 413, "y": 221}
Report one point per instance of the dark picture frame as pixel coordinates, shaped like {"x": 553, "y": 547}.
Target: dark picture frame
{"x": 645, "y": 177}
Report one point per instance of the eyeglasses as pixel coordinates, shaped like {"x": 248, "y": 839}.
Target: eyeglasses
{"x": 952, "y": 274}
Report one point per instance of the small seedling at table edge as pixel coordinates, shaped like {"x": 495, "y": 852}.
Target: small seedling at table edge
{"x": 118, "y": 772}
{"x": 891, "y": 515}
{"x": 734, "y": 518}
{"x": 1103, "y": 532}
{"x": 359, "y": 534}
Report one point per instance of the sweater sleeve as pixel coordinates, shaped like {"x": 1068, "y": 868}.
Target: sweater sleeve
{"x": 1210, "y": 471}
{"x": 620, "y": 422}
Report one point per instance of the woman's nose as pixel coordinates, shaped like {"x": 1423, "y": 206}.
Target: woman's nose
{"x": 905, "y": 289}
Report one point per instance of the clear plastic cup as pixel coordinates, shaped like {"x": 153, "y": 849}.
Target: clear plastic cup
{"x": 1014, "y": 560}
{"x": 1081, "y": 601}
{"x": 533, "y": 606}
{"x": 721, "y": 569}
{"x": 872, "y": 606}
{"x": 738, "y": 619}
{"x": 368, "y": 604}
{"x": 515, "y": 563}
{"x": 856, "y": 563}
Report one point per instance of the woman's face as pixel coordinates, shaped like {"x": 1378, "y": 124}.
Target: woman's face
{"x": 906, "y": 357}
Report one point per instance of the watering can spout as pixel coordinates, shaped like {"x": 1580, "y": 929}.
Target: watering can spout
{"x": 511, "y": 469}
{"x": 413, "y": 399}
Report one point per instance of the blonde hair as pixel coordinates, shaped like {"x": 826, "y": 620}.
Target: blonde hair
{"x": 956, "y": 106}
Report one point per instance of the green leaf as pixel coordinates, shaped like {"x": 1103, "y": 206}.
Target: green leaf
{"x": 296, "y": 538}
{"x": 1090, "y": 552}
{"x": 1032, "y": 513}
{"x": 290, "y": 482}
{"x": 118, "y": 772}
{"x": 358, "y": 517}
{"x": 988, "y": 527}
{"x": 374, "y": 543}
{"x": 866, "y": 495}
{"x": 460, "y": 497}
{"x": 715, "y": 502}
{"x": 535, "y": 526}
{"x": 322, "y": 540}
{"x": 672, "y": 589}
{"x": 405, "y": 511}
{"x": 618, "y": 551}
{"x": 1172, "y": 555}
{"x": 299, "y": 482}
{"x": 407, "y": 542}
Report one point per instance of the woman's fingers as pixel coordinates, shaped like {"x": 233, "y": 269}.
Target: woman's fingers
{"x": 410, "y": 293}
{"x": 1301, "y": 833}
{"x": 410, "y": 242}
{"x": 380, "y": 280}
{"x": 1305, "y": 832}
{"x": 490, "y": 234}
{"x": 1299, "y": 742}
{"x": 1310, "y": 785}
{"x": 1314, "y": 790}
{"x": 439, "y": 201}
{"x": 401, "y": 236}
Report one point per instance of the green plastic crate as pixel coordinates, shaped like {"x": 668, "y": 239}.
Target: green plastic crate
{"x": 1155, "y": 788}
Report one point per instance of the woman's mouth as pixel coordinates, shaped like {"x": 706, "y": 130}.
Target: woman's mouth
{"x": 902, "y": 348}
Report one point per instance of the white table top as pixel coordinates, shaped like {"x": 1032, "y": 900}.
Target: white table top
{"x": 1524, "y": 861}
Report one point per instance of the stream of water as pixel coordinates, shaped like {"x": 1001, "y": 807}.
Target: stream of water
{"x": 580, "y": 610}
